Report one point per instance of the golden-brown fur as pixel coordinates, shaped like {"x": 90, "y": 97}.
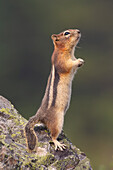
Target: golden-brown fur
{"x": 58, "y": 91}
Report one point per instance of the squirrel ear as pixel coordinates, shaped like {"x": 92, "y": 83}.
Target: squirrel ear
{"x": 54, "y": 37}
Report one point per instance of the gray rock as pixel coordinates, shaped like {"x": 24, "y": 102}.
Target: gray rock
{"x": 14, "y": 154}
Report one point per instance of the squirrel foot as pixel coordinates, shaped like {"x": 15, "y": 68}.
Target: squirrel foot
{"x": 59, "y": 146}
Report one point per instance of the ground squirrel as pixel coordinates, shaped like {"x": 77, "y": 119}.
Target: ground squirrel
{"x": 58, "y": 91}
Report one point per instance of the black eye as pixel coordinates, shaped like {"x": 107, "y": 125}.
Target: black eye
{"x": 66, "y": 33}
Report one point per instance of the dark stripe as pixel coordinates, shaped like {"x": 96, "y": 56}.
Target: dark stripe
{"x": 56, "y": 80}
{"x": 49, "y": 88}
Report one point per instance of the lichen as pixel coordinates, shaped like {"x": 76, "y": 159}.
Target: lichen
{"x": 13, "y": 135}
{"x": 2, "y": 137}
{"x": 68, "y": 163}
{"x": 13, "y": 146}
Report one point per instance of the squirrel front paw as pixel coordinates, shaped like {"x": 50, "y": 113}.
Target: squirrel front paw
{"x": 80, "y": 62}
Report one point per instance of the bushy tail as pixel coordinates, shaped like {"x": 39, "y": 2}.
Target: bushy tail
{"x": 31, "y": 138}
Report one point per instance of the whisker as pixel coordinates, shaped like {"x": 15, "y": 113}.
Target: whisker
{"x": 78, "y": 47}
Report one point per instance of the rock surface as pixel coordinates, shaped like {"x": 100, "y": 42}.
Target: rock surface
{"x": 13, "y": 152}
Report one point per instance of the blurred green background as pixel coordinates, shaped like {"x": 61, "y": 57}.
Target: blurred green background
{"x": 25, "y": 54}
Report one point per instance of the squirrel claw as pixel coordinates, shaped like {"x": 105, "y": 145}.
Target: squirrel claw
{"x": 81, "y": 62}
{"x": 59, "y": 146}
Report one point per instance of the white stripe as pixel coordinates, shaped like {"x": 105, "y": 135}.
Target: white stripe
{"x": 51, "y": 88}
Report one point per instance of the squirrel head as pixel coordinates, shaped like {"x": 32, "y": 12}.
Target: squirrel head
{"x": 66, "y": 40}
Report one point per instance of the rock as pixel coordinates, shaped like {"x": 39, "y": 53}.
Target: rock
{"x": 13, "y": 151}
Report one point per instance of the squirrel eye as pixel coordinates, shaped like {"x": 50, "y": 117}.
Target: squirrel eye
{"x": 66, "y": 33}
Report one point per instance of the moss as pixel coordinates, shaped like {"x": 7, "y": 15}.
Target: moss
{"x": 2, "y": 137}
{"x": 19, "y": 133}
{"x": 13, "y": 115}
{"x": 67, "y": 163}
{"x": 47, "y": 160}
{"x": 40, "y": 144}
{"x": 2, "y": 140}
{"x": 35, "y": 161}
{"x": 5, "y": 110}
{"x": 4, "y": 143}
{"x": 6, "y": 156}
{"x": 13, "y": 135}
{"x": 46, "y": 131}
{"x": 84, "y": 164}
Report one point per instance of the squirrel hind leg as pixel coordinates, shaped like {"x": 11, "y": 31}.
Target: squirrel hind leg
{"x": 54, "y": 134}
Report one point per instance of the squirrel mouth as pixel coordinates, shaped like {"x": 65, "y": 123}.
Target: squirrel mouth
{"x": 78, "y": 38}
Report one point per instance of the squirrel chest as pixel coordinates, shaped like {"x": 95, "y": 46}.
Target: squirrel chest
{"x": 59, "y": 90}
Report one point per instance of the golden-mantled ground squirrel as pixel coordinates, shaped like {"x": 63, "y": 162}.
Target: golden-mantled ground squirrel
{"x": 58, "y": 91}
